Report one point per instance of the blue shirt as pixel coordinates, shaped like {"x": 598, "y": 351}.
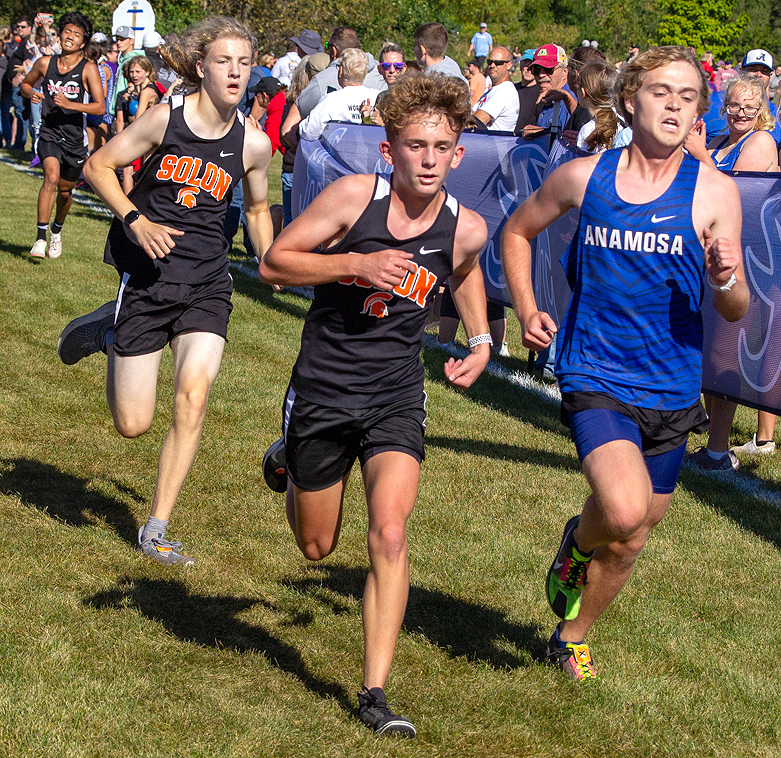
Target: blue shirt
{"x": 633, "y": 328}
{"x": 482, "y": 42}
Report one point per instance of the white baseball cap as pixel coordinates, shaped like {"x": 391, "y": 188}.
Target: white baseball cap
{"x": 152, "y": 39}
{"x": 759, "y": 56}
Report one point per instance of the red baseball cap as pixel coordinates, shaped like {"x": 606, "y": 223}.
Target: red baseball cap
{"x": 550, "y": 56}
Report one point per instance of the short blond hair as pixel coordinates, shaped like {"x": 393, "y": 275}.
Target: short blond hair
{"x": 353, "y": 65}
{"x": 633, "y": 73}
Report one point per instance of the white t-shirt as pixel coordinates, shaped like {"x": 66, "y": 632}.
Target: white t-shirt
{"x": 342, "y": 105}
{"x": 622, "y": 139}
{"x": 501, "y": 104}
{"x": 285, "y": 66}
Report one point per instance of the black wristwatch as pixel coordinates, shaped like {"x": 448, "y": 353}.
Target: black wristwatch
{"x": 131, "y": 217}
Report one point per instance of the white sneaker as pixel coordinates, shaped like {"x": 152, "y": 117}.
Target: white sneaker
{"x": 38, "y": 250}
{"x": 55, "y": 246}
{"x": 751, "y": 448}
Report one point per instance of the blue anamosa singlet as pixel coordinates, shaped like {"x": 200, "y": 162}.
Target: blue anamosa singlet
{"x": 633, "y": 329}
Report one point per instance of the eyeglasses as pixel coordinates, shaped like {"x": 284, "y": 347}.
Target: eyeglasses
{"x": 491, "y": 61}
{"x": 537, "y": 69}
{"x": 748, "y": 112}
{"x": 386, "y": 66}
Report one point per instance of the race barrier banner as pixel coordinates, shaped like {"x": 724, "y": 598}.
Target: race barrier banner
{"x": 742, "y": 361}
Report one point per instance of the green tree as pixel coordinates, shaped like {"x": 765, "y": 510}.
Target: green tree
{"x": 704, "y": 25}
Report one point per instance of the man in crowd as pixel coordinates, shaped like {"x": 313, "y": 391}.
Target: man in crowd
{"x": 357, "y": 386}
{"x": 477, "y": 81}
{"x": 498, "y": 107}
{"x": 554, "y": 102}
{"x": 126, "y": 41}
{"x": 430, "y": 50}
{"x": 481, "y": 45}
{"x": 17, "y": 53}
{"x": 306, "y": 43}
{"x": 656, "y": 226}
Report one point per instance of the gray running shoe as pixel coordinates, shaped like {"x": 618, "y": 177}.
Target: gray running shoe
{"x": 374, "y": 712}
{"x": 86, "y": 335}
{"x": 702, "y": 461}
{"x": 275, "y": 466}
{"x": 163, "y": 551}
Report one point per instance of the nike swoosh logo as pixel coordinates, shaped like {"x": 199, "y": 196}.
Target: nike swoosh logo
{"x": 656, "y": 220}
{"x": 557, "y": 564}
{"x": 224, "y": 155}
{"x": 423, "y": 251}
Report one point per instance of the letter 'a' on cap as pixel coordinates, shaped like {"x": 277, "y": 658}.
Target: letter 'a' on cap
{"x": 760, "y": 57}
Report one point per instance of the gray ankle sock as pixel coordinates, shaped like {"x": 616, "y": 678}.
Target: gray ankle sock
{"x": 155, "y": 527}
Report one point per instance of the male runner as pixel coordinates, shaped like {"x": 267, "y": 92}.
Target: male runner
{"x": 68, "y": 79}
{"x": 630, "y": 346}
{"x": 167, "y": 244}
{"x": 357, "y": 386}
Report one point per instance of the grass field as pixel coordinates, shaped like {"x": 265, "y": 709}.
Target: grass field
{"x": 255, "y": 652}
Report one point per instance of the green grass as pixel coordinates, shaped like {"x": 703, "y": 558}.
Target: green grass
{"x": 255, "y": 652}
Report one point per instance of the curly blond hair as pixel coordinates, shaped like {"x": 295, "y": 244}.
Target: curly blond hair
{"x": 765, "y": 120}
{"x": 416, "y": 95}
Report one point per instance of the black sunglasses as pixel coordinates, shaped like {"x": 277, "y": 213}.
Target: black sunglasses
{"x": 489, "y": 61}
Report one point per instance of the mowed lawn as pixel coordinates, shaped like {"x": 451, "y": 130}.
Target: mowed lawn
{"x": 255, "y": 652}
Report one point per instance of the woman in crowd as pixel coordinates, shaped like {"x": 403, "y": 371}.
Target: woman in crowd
{"x": 97, "y": 126}
{"x": 748, "y": 146}
{"x": 596, "y": 88}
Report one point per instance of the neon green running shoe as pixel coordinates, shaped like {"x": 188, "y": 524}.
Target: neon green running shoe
{"x": 567, "y": 575}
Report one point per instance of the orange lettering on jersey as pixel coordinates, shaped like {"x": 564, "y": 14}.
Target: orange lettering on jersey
{"x": 209, "y": 178}
{"x": 167, "y": 166}
{"x": 356, "y": 280}
{"x": 424, "y": 283}
{"x": 222, "y": 185}
{"x": 183, "y": 169}
{"x": 405, "y": 286}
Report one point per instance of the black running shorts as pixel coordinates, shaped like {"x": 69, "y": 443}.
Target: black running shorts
{"x": 322, "y": 443}
{"x": 71, "y": 163}
{"x": 150, "y": 317}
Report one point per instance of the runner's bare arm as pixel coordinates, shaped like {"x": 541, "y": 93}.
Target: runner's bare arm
{"x": 142, "y": 136}
{"x": 468, "y": 290}
{"x": 36, "y": 73}
{"x": 718, "y": 213}
{"x": 562, "y": 190}
{"x": 257, "y": 156}
{"x": 325, "y": 221}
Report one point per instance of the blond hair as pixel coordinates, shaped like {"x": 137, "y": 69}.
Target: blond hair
{"x": 765, "y": 120}
{"x": 633, "y": 73}
{"x": 416, "y": 96}
{"x": 192, "y": 45}
{"x": 353, "y": 65}
{"x": 598, "y": 81}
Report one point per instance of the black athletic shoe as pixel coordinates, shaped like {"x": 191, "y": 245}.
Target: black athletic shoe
{"x": 374, "y": 712}
{"x": 275, "y": 466}
{"x": 86, "y": 335}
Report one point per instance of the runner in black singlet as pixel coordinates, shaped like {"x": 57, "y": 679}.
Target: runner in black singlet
{"x": 387, "y": 244}
{"x": 68, "y": 81}
{"x": 167, "y": 244}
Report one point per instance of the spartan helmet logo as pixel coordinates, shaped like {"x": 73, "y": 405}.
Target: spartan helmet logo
{"x": 186, "y": 196}
{"x": 375, "y": 305}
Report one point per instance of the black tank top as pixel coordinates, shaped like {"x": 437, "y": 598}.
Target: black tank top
{"x": 361, "y": 345}
{"x": 185, "y": 184}
{"x": 66, "y": 127}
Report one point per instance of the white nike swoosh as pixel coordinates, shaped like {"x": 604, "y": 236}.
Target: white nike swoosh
{"x": 423, "y": 250}
{"x": 224, "y": 155}
{"x": 557, "y": 564}
{"x": 656, "y": 220}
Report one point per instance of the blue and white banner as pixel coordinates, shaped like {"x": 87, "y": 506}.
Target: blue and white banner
{"x": 742, "y": 361}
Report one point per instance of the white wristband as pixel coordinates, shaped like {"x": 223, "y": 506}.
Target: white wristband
{"x": 722, "y": 287}
{"x": 479, "y": 340}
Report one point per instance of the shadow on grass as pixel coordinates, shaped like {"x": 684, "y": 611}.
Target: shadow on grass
{"x": 211, "y": 621}
{"x": 747, "y": 511}
{"x": 501, "y": 396}
{"x": 19, "y": 251}
{"x": 66, "y": 497}
{"x": 460, "y": 627}
{"x": 252, "y": 288}
{"x": 505, "y": 452}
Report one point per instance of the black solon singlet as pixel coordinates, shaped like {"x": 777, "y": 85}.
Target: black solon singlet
{"x": 66, "y": 127}
{"x": 185, "y": 184}
{"x": 361, "y": 345}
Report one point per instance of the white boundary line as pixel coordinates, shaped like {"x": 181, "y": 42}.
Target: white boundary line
{"x": 745, "y": 484}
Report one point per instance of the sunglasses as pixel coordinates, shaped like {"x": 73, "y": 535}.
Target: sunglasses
{"x": 387, "y": 66}
{"x": 537, "y": 69}
{"x": 492, "y": 61}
